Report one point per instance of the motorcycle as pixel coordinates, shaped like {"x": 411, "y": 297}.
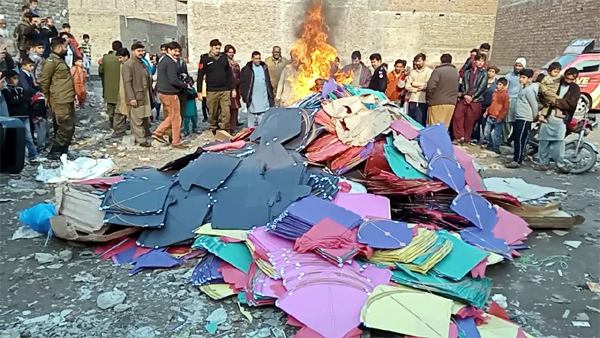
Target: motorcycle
{"x": 580, "y": 155}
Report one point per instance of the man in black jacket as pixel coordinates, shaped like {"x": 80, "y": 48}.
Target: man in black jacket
{"x": 220, "y": 86}
{"x": 468, "y": 109}
{"x": 256, "y": 89}
{"x": 379, "y": 79}
{"x": 37, "y": 33}
{"x": 169, "y": 86}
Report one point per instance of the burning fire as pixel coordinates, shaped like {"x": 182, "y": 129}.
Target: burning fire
{"x": 316, "y": 56}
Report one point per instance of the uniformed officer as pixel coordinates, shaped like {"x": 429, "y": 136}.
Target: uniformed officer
{"x": 379, "y": 79}
{"x": 58, "y": 87}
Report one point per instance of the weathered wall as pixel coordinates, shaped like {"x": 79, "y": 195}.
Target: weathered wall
{"x": 151, "y": 21}
{"x": 539, "y": 30}
{"x": 57, "y": 9}
{"x": 394, "y": 28}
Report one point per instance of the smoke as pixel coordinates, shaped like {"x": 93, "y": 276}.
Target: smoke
{"x": 306, "y": 6}
{"x": 330, "y": 17}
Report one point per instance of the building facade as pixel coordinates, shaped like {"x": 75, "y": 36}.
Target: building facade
{"x": 153, "y": 22}
{"x": 393, "y": 28}
{"x": 540, "y": 30}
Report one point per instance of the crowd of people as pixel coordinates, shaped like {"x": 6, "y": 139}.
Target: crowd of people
{"x": 43, "y": 77}
{"x": 476, "y": 106}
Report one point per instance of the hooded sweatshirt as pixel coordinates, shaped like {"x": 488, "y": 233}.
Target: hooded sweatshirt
{"x": 528, "y": 106}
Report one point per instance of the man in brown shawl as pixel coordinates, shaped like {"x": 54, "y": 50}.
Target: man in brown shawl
{"x": 137, "y": 85}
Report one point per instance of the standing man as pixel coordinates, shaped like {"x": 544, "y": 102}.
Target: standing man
{"x": 468, "y": 109}
{"x": 284, "y": 96}
{"x": 552, "y": 134}
{"x": 276, "y": 64}
{"x": 361, "y": 74}
{"x": 379, "y": 79}
{"x": 137, "y": 85}
{"x": 56, "y": 83}
{"x": 35, "y": 33}
{"x": 220, "y": 87}
{"x": 163, "y": 51}
{"x": 514, "y": 88}
{"x": 50, "y": 32}
{"x": 442, "y": 92}
{"x": 169, "y": 87}
{"x": 110, "y": 72}
{"x": 19, "y": 31}
{"x": 396, "y": 81}
{"x": 416, "y": 85}
{"x": 484, "y": 49}
{"x": 66, "y": 28}
{"x": 256, "y": 89}
{"x": 71, "y": 55}
{"x": 235, "y": 102}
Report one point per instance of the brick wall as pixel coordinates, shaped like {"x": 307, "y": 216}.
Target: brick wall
{"x": 126, "y": 20}
{"x": 394, "y": 28}
{"x": 539, "y": 30}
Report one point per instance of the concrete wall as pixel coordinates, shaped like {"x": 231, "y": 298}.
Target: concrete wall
{"x": 394, "y": 28}
{"x": 151, "y": 21}
{"x": 539, "y": 30}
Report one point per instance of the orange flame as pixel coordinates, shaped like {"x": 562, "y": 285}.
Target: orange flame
{"x": 316, "y": 56}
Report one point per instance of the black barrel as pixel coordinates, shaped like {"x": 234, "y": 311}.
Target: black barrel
{"x": 12, "y": 145}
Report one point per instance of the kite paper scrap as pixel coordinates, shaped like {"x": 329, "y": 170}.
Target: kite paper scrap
{"x": 472, "y": 206}
{"x": 423, "y": 314}
{"x": 365, "y": 205}
{"x": 154, "y": 259}
{"x": 236, "y": 254}
{"x": 405, "y": 128}
{"x": 384, "y": 234}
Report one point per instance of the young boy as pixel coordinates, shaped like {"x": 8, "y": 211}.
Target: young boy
{"x": 526, "y": 111}
{"x": 79, "y": 75}
{"x": 36, "y": 54}
{"x": 18, "y": 107}
{"x": 549, "y": 91}
{"x": 191, "y": 111}
{"x": 495, "y": 116}
{"x": 86, "y": 50}
{"x": 27, "y": 82}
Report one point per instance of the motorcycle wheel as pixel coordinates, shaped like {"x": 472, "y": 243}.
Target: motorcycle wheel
{"x": 583, "y": 161}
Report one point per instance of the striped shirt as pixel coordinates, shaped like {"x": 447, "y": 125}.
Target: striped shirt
{"x": 86, "y": 49}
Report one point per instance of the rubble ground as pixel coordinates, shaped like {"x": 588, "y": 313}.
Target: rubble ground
{"x": 64, "y": 290}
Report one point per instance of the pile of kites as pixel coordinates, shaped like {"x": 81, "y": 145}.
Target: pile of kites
{"x": 341, "y": 211}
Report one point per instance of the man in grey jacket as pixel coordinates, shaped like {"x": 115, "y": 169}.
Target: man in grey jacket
{"x": 527, "y": 109}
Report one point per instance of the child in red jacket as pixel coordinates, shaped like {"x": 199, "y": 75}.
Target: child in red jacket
{"x": 495, "y": 114}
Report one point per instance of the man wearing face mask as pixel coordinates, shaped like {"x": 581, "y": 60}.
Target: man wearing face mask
{"x": 56, "y": 83}
{"x": 256, "y": 89}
